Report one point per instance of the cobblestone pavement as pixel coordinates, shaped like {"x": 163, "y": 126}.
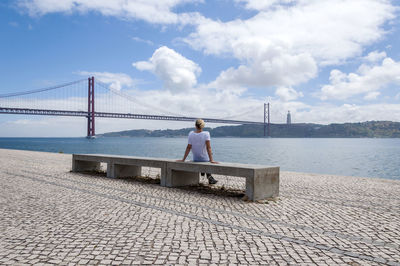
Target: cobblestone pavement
{"x": 52, "y": 216}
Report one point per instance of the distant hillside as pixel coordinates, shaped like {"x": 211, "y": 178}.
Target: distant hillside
{"x": 371, "y": 129}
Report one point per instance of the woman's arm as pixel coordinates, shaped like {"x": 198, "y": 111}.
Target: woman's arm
{"x": 209, "y": 151}
{"x": 188, "y": 148}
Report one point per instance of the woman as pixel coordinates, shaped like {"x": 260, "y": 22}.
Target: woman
{"x": 199, "y": 143}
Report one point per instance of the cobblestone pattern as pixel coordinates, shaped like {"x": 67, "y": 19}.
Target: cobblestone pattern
{"x": 50, "y": 215}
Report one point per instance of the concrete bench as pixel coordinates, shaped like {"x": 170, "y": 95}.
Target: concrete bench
{"x": 261, "y": 181}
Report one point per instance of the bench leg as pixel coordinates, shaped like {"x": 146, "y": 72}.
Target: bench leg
{"x": 82, "y": 166}
{"x": 163, "y": 176}
{"x": 263, "y": 185}
{"x": 176, "y": 178}
{"x": 119, "y": 170}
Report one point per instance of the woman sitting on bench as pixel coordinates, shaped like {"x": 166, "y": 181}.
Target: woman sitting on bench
{"x": 199, "y": 143}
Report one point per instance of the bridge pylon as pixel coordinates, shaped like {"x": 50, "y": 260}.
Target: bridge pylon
{"x": 267, "y": 118}
{"x": 90, "y": 115}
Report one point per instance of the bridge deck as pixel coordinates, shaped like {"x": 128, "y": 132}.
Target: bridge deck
{"x": 22, "y": 111}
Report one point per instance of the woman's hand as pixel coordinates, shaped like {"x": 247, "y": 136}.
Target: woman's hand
{"x": 214, "y": 162}
{"x": 181, "y": 161}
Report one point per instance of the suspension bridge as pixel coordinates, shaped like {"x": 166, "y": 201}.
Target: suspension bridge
{"x": 79, "y": 99}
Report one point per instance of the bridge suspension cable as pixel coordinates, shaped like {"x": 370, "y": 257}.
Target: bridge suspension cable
{"x": 132, "y": 99}
{"x": 40, "y": 90}
{"x": 252, "y": 110}
{"x": 162, "y": 110}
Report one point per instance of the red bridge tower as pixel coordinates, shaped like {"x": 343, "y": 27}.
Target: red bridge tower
{"x": 90, "y": 116}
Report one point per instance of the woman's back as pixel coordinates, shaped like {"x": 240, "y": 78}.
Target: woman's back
{"x": 198, "y": 142}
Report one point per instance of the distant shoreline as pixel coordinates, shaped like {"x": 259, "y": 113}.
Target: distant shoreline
{"x": 372, "y": 129}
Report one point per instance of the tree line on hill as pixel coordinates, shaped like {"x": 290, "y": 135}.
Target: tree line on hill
{"x": 370, "y": 129}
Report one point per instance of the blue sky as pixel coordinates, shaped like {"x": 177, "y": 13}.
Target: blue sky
{"x": 325, "y": 61}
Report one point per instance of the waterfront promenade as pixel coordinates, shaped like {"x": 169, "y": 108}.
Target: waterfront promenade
{"x": 52, "y": 216}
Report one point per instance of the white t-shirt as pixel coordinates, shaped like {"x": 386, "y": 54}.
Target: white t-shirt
{"x": 198, "y": 142}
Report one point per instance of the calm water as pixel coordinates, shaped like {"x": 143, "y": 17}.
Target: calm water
{"x": 354, "y": 157}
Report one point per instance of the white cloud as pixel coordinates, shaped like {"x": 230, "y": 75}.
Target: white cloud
{"x": 372, "y": 95}
{"x": 287, "y": 94}
{"x": 368, "y": 80}
{"x": 270, "y": 67}
{"x": 203, "y": 103}
{"x": 375, "y": 56}
{"x": 177, "y": 72}
{"x": 263, "y": 4}
{"x": 330, "y": 31}
{"x": 283, "y": 44}
{"x": 153, "y": 11}
{"x": 225, "y": 104}
{"x": 115, "y": 80}
{"x": 326, "y": 114}
{"x": 138, "y": 39}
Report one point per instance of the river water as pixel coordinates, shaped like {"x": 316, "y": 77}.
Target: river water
{"x": 346, "y": 156}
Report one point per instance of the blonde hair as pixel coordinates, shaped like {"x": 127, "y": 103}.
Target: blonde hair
{"x": 200, "y": 123}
